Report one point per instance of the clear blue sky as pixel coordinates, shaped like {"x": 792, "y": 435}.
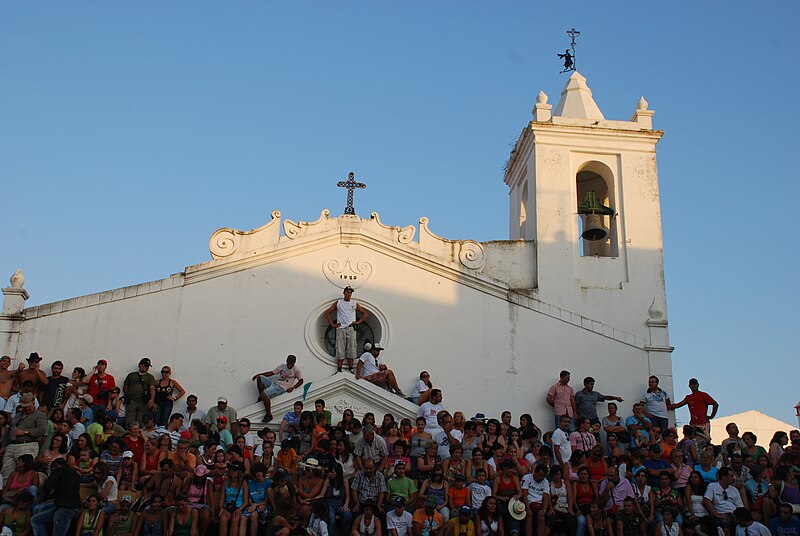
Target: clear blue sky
{"x": 129, "y": 132}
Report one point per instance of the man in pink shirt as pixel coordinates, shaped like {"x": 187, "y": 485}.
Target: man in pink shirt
{"x": 561, "y": 398}
{"x": 698, "y": 402}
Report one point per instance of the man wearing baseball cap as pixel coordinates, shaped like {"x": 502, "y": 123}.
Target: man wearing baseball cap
{"x": 140, "y": 392}
{"x": 222, "y": 409}
{"x": 100, "y": 383}
{"x": 346, "y": 310}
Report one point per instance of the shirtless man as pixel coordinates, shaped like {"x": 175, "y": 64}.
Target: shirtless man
{"x": 7, "y": 378}
{"x": 33, "y": 373}
{"x": 166, "y": 483}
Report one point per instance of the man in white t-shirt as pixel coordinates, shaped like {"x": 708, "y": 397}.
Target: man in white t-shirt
{"x": 745, "y": 526}
{"x": 284, "y": 379}
{"x": 191, "y": 413}
{"x": 372, "y": 368}
{"x": 722, "y": 498}
{"x": 448, "y": 436}
{"x": 398, "y": 520}
{"x": 537, "y": 499}
{"x": 562, "y": 448}
{"x": 430, "y": 410}
{"x": 345, "y": 309}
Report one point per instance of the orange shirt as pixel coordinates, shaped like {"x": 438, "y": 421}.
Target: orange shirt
{"x": 288, "y": 459}
{"x": 460, "y": 497}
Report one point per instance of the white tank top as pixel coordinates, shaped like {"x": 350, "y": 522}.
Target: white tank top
{"x": 345, "y": 312}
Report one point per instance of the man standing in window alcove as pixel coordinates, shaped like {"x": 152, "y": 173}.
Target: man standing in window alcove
{"x": 346, "y": 310}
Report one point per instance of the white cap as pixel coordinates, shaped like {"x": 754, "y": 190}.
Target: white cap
{"x": 222, "y": 399}
{"x": 127, "y": 454}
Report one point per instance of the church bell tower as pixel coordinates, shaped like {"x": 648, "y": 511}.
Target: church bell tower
{"x": 585, "y": 190}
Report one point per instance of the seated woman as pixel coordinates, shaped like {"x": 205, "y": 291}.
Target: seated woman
{"x": 18, "y": 517}
{"x": 153, "y": 519}
{"x": 585, "y": 494}
{"x": 367, "y": 524}
{"x": 428, "y": 461}
{"x": 455, "y": 465}
{"x": 337, "y": 495}
{"x": 23, "y": 478}
{"x": 438, "y": 488}
{"x": 58, "y": 449}
{"x": 347, "y": 418}
{"x": 183, "y": 520}
{"x": 477, "y": 462}
{"x": 422, "y": 389}
{"x": 107, "y": 487}
{"x": 200, "y": 496}
{"x": 645, "y": 500}
{"x": 561, "y": 502}
{"x": 667, "y": 498}
{"x": 92, "y": 518}
{"x": 233, "y": 500}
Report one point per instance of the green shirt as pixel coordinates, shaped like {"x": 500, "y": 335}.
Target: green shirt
{"x": 401, "y": 487}
{"x": 93, "y": 430}
{"x": 137, "y": 386}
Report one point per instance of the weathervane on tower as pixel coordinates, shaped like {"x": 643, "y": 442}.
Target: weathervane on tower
{"x": 569, "y": 59}
{"x": 351, "y": 185}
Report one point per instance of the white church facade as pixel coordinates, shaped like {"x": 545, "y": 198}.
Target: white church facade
{"x": 493, "y": 322}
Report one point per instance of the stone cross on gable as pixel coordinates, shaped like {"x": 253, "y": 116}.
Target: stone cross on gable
{"x": 351, "y": 185}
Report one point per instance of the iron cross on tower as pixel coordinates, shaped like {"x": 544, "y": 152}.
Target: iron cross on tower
{"x": 569, "y": 59}
{"x": 351, "y": 185}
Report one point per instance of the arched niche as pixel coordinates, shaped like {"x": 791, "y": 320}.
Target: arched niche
{"x": 598, "y": 177}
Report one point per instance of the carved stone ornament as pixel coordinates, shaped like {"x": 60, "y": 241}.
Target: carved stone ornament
{"x": 17, "y": 279}
{"x": 404, "y": 235}
{"x": 347, "y": 272}
{"x": 225, "y": 242}
{"x": 293, "y": 229}
{"x": 654, "y": 312}
{"x": 342, "y": 404}
{"x": 472, "y": 255}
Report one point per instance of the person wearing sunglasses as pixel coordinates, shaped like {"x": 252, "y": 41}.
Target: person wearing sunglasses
{"x": 722, "y": 498}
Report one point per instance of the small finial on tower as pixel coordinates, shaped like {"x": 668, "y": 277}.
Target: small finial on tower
{"x": 541, "y": 110}
{"x": 541, "y": 98}
{"x": 17, "y": 279}
{"x": 643, "y": 115}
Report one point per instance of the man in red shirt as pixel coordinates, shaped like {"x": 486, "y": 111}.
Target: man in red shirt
{"x": 100, "y": 384}
{"x": 698, "y": 402}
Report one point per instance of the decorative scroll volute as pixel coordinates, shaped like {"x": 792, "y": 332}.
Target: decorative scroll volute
{"x": 293, "y": 229}
{"x": 225, "y": 242}
{"x": 472, "y": 255}
{"x": 403, "y": 235}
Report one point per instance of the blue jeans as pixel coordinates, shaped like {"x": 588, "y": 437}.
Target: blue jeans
{"x": 48, "y": 513}
{"x": 163, "y": 412}
{"x": 512, "y": 525}
{"x": 345, "y": 518}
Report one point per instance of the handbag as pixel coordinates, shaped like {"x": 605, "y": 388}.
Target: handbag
{"x": 230, "y": 506}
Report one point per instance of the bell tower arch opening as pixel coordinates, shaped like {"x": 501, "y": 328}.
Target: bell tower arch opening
{"x": 597, "y": 222}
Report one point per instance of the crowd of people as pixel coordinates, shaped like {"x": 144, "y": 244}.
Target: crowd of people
{"x": 84, "y": 454}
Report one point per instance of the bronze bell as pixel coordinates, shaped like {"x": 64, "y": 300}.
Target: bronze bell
{"x": 594, "y": 230}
